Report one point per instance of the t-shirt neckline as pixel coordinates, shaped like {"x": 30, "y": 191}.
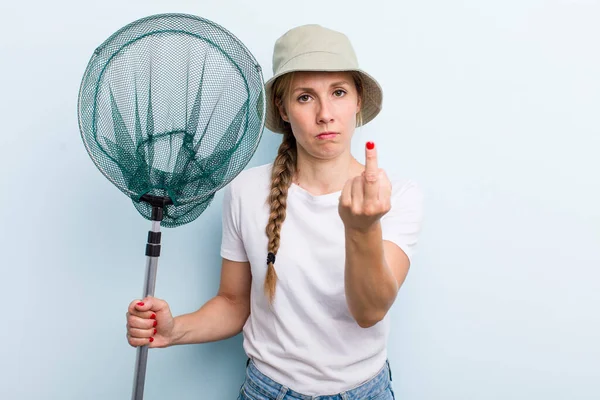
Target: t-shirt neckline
{"x": 328, "y": 198}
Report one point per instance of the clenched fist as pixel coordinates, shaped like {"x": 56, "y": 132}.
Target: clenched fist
{"x": 149, "y": 322}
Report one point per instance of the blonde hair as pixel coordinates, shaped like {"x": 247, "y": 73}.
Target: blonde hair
{"x": 284, "y": 169}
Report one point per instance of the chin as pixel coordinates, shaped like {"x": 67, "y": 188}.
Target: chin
{"x": 331, "y": 150}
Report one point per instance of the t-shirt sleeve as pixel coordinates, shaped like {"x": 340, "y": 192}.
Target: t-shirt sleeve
{"x": 232, "y": 245}
{"x": 402, "y": 224}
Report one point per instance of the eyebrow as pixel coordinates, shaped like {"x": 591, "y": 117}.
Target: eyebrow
{"x": 308, "y": 89}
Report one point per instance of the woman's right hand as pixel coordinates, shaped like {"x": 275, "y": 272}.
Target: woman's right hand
{"x": 149, "y": 322}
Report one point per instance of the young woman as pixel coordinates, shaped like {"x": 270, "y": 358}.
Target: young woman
{"x": 315, "y": 245}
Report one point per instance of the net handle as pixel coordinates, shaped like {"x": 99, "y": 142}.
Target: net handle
{"x": 152, "y": 253}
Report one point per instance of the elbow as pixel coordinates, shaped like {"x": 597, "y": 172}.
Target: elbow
{"x": 368, "y": 321}
{"x": 369, "y": 316}
{"x": 239, "y": 309}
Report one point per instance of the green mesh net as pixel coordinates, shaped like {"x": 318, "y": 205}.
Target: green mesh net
{"x": 172, "y": 105}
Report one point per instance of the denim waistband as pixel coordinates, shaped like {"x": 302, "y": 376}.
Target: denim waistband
{"x": 263, "y": 384}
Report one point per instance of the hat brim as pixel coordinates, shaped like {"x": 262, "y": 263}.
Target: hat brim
{"x": 372, "y": 98}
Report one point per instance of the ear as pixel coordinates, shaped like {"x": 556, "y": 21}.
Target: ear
{"x": 282, "y": 112}
{"x": 359, "y": 104}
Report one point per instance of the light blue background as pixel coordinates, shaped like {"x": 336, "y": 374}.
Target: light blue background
{"x": 492, "y": 106}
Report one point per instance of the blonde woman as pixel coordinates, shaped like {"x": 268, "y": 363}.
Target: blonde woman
{"x": 315, "y": 245}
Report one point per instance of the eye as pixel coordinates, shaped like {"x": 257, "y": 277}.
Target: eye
{"x": 304, "y": 98}
{"x": 339, "y": 93}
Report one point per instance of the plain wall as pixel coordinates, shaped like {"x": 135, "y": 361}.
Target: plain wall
{"x": 492, "y": 107}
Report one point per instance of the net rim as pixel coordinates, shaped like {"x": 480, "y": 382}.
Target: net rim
{"x": 135, "y": 196}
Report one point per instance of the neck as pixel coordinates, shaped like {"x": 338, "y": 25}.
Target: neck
{"x": 320, "y": 177}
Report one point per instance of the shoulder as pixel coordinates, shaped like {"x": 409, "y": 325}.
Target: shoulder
{"x": 405, "y": 189}
{"x": 252, "y": 181}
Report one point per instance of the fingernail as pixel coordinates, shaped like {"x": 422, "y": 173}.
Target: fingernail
{"x": 153, "y": 316}
{"x": 155, "y": 331}
{"x": 370, "y": 145}
{"x": 151, "y": 339}
{"x": 155, "y": 323}
{"x": 140, "y": 304}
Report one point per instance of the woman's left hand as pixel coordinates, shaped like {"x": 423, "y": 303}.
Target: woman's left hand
{"x": 366, "y": 198}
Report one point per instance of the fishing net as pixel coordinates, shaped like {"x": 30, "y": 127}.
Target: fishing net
{"x": 171, "y": 106}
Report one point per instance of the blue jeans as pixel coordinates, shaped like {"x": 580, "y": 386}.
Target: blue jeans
{"x": 258, "y": 386}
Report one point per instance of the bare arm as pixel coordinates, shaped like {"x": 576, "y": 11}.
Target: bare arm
{"x": 224, "y": 315}
{"x": 375, "y": 271}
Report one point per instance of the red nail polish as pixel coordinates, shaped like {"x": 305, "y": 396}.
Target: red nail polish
{"x": 155, "y": 331}
{"x": 155, "y": 323}
{"x": 151, "y": 339}
{"x": 153, "y": 316}
{"x": 140, "y": 304}
{"x": 370, "y": 145}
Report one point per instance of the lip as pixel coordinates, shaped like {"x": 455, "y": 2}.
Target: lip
{"x": 327, "y": 135}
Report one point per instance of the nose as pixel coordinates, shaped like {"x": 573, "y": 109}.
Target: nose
{"x": 324, "y": 112}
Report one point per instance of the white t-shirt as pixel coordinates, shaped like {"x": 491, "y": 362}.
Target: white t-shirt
{"x": 308, "y": 340}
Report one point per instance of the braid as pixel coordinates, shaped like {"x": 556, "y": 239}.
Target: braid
{"x": 284, "y": 168}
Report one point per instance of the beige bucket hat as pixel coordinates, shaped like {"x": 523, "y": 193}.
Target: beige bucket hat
{"x": 315, "y": 48}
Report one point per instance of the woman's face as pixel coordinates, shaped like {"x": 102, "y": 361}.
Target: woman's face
{"x": 321, "y": 108}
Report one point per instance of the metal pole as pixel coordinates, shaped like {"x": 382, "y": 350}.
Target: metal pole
{"x": 152, "y": 253}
